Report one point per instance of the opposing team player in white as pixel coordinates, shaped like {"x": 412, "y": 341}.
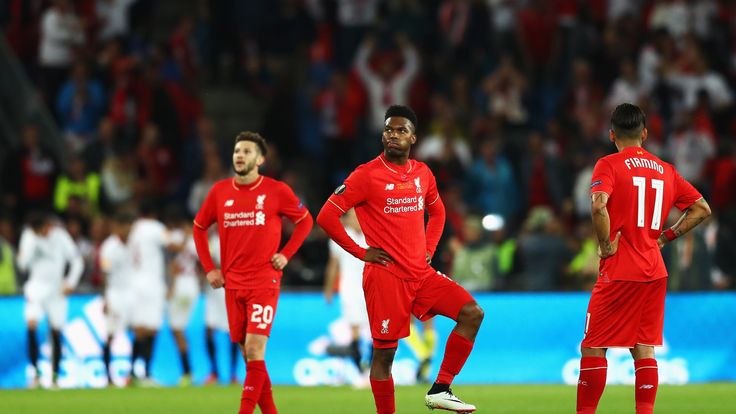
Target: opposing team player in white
{"x": 184, "y": 288}
{"x": 147, "y": 242}
{"x": 116, "y": 264}
{"x": 215, "y": 319}
{"x": 352, "y": 299}
{"x": 45, "y": 251}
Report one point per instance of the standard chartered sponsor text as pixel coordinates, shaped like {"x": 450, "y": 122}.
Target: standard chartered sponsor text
{"x": 242, "y": 218}
{"x": 403, "y": 205}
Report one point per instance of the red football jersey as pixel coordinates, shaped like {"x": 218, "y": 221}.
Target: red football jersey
{"x": 642, "y": 189}
{"x": 390, "y": 202}
{"x": 249, "y": 224}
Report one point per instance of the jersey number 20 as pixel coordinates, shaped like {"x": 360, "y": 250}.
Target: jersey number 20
{"x": 658, "y": 186}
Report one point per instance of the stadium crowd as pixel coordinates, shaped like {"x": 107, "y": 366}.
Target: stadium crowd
{"x": 513, "y": 98}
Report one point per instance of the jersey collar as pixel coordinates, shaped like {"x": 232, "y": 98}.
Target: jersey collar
{"x": 249, "y": 187}
{"x": 396, "y": 168}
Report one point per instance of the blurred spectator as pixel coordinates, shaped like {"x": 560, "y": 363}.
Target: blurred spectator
{"x": 474, "y": 264}
{"x": 80, "y": 105}
{"x": 689, "y": 148}
{"x": 626, "y": 88}
{"x": 582, "y": 270}
{"x": 503, "y": 93}
{"x": 156, "y": 161}
{"x": 61, "y": 34}
{"x": 77, "y": 191}
{"x": 29, "y": 174}
{"x": 542, "y": 251}
{"x": 721, "y": 175}
{"x": 354, "y": 18}
{"x": 112, "y": 16}
{"x": 213, "y": 172}
{"x": 388, "y": 84}
{"x": 119, "y": 176}
{"x": 541, "y": 176}
{"x": 490, "y": 186}
{"x": 445, "y": 145}
{"x": 8, "y": 268}
{"x": 103, "y": 144}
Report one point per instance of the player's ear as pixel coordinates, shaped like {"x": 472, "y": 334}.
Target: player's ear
{"x": 611, "y": 135}
{"x": 413, "y": 139}
{"x": 261, "y": 159}
{"x": 644, "y": 134}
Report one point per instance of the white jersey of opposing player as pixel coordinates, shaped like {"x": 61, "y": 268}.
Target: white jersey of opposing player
{"x": 45, "y": 258}
{"x": 185, "y": 290}
{"x": 117, "y": 263}
{"x": 215, "y": 311}
{"x": 352, "y": 299}
{"x": 146, "y": 241}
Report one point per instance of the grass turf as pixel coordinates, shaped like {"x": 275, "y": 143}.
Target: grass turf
{"x": 719, "y": 398}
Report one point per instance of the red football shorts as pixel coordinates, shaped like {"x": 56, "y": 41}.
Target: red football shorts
{"x": 251, "y": 311}
{"x": 391, "y": 301}
{"x": 622, "y": 314}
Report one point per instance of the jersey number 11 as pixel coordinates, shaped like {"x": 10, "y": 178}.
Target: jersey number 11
{"x": 658, "y": 186}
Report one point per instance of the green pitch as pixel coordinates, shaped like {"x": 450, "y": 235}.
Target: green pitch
{"x": 691, "y": 399}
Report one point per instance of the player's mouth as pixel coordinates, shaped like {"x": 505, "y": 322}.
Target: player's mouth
{"x": 393, "y": 145}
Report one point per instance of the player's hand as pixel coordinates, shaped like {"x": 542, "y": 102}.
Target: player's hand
{"x": 429, "y": 258}
{"x": 377, "y": 255}
{"x": 215, "y": 278}
{"x": 68, "y": 290}
{"x": 661, "y": 241}
{"x": 279, "y": 261}
{"x": 607, "y": 250}
{"x": 328, "y": 296}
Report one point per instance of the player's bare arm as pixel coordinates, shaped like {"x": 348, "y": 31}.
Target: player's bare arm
{"x": 377, "y": 255}
{"x": 602, "y": 225}
{"x": 693, "y": 215}
{"x": 215, "y": 278}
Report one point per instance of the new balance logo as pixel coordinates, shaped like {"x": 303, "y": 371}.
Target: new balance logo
{"x": 646, "y": 387}
{"x": 229, "y": 203}
{"x": 389, "y": 186}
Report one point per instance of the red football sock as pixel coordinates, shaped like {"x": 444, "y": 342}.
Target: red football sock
{"x": 266, "y": 400}
{"x": 255, "y": 376}
{"x": 457, "y": 351}
{"x": 647, "y": 380}
{"x": 591, "y": 383}
{"x": 383, "y": 395}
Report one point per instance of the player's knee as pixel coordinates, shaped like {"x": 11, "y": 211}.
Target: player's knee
{"x": 254, "y": 351}
{"x": 471, "y": 314}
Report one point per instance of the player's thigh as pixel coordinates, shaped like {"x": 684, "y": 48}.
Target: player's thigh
{"x": 388, "y": 303}
{"x": 260, "y": 310}
{"x": 652, "y": 315}
{"x": 236, "y": 314}
{"x": 57, "y": 308}
{"x": 440, "y": 295}
{"x": 614, "y": 315}
{"x": 148, "y": 311}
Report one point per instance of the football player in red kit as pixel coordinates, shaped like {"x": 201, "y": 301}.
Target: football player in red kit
{"x": 390, "y": 195}
{"x": 248, "y": 209}
{"x": 632, "y": 193}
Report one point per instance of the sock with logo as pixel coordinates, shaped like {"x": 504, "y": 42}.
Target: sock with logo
{"x": 647, "y": 381}
{"x": 591, "y": 383}
{"x": 457, "y": 351}
{"x": 383, "y": 395}
{"x": 255, "y": 376}
{"x": 265, "y": 402}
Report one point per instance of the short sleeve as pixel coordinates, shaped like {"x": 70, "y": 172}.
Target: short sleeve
{"x": 290, "y": 206}
{"x": 603, "y": 178}
{"x": 207, "y": 213}
{"x": 352, "y": 191}
{"x": 685, "y": 193}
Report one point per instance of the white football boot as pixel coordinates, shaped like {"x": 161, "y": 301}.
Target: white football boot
{"x": 446, "y": 400}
